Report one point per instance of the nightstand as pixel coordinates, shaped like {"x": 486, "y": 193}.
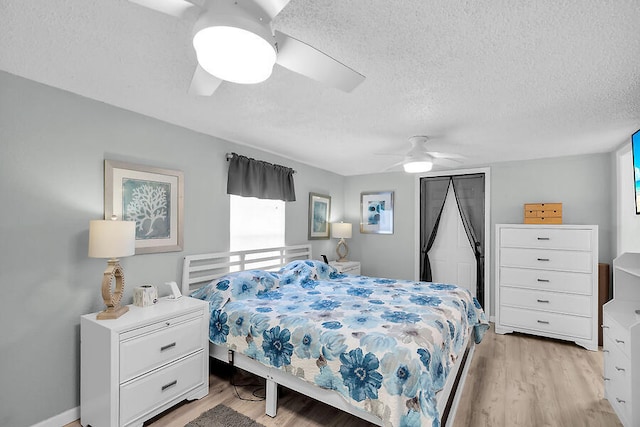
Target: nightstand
{"x": 347, "y": 267}
{"x": 134, "y": 367}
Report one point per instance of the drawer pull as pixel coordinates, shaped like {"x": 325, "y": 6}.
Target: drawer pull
{"x": 606, "y": 379}
{"x": 171, "y": 384}
{"x": 168, "y": 346}
{"x": 543, "y": 259}
{"x": 543, "y": 300}
{"x": 620, "y": 341}
{"x": 605, "y": 351}
{"x": 544, "y": 322}
{"x": 543, "y": 238}
{"x": 167, "y": 323}
{"x": 620, "y": 400}
{"x": 620, "y": 369}
{"x": 604, "y": 326}
{"x": 543, "y": 280}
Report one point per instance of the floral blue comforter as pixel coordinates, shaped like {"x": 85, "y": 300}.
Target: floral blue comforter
{"x": 386, "y": 345}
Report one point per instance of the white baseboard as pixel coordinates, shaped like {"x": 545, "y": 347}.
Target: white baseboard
{"x": 492, "y": 319}
{"x": 61, "y": 419}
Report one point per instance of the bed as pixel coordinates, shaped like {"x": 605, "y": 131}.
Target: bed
{"x": 392, "y": 352}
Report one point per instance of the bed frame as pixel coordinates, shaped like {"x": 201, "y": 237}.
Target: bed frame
{"x": 201, "y": 269}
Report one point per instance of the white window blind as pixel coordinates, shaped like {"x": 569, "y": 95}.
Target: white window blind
{"x": 255, "y": 223}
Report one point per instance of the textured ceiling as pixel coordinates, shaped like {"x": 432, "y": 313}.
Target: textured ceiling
{"x": 492, "y": 80}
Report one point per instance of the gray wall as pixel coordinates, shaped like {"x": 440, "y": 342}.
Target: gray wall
{"x": 582, "y": 183}
{"x": 52, "y": 147}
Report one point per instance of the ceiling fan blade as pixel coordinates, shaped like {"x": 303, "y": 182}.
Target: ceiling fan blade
{"x": 203, "y": 83}
{"x": 446, "y": 162}
{"x": 445, "y": 155}
{"x": 393, "y": 166}
{"x": 309, "y": 61}
{"x": 177, "y": 8}
{"x": 271, "y": 7}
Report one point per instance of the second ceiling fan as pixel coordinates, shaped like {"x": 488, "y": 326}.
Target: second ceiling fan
{"x": 234, "y": 41}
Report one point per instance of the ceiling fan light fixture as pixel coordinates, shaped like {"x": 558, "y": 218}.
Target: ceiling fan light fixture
{"x": 418, "y": 166}
{"x": 234, "y": 54}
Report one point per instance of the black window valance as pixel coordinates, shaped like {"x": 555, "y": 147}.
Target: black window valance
{"x": 255, "y": 178}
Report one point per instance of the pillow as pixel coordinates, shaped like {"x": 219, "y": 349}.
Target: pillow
{"x": 237, "y": 286}
{"x": 302, "y": 271}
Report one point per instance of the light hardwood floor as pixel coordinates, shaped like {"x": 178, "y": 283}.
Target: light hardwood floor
{"x": 514, "y": 380}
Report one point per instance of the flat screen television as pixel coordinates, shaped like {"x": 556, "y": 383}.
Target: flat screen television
{"x": 635, "y": 150}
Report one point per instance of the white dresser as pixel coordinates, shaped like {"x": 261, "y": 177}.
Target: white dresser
{"x": 621, "y": 340}
{"x": 347, "y": 267}
{"x": 547, "y": 281}
{"x": 134, "y": 367}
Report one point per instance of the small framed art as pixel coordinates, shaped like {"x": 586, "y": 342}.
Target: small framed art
{"x": 150, "y": 196}
{"x": 376, "y": 212}
{"x": 319, "y": 211}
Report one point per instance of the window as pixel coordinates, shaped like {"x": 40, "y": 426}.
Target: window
{"x": 255, "y": 223}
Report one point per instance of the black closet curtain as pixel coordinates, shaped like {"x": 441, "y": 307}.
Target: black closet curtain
{"x": 433, "y": 193}
{"x": 255, "y": 178}
{"x": 469, "y": 192}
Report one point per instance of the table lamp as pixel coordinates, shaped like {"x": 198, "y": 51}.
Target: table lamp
{"x": 112, "y": 239}
{"x": 341, "y": 230}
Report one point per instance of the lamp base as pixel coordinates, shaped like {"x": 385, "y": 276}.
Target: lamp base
{"x": 112, "y": 313}
{"x": 342, "y": 254}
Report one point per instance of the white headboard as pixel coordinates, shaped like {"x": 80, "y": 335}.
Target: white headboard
{"x": 199, "y": 269}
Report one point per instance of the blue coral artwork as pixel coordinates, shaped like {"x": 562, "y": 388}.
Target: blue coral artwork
{"x": 147, "y": 203}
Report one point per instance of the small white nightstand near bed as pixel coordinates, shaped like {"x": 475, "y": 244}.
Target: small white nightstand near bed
{"x": 347, "y": 267}
{"x": 144, "y": 362}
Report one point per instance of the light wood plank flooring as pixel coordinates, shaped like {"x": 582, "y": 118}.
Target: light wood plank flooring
{"x": 514, "y": 380}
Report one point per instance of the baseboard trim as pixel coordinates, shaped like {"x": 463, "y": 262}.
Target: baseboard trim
{"x": 492, "y": 319}
{"x": 61, "y": 419}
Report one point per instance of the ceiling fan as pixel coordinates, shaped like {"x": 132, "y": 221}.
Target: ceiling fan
{"x": 418, "y": 159}
{"x": 234, "y": 41}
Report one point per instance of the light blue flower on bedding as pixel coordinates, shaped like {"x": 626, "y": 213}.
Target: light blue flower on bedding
{"x": 294, "y": 322}
{"x": 362, "y": 321}
{"x": 243, "y": 288}
{"x": 333, "y": 344}
{"x": 400, "y": 317}
{"x": 333, "y": 324}
{"x": 327, "y": 379}
{"x": 254, "y": 352}
{"x": 376, "y": 301}
{"x": 268, "y": 280}
{"x": 239, "y": 323}
{"x": 325, "y": 304}
{"x": 264, "y": 309}
{"x": 435, "y": 364}
{"x": 377, "y": 342}
{"x": 384, "y": 281}
{"x": 306, "y": 343}
{"x": 360, "y": 375}
{"x": 401, "y": 372}
{"x": 431, "y": 301}
{"x": 442, "y": 286}
{"x": 411, "y": 419}
{"x": 360, "y": 292}
{"x": 258, "y": 324}
{"x": 355, "y": 305}
{"x": 277, "y": 347}
{"x": 218, "y": 328}
{"x": 270, "y": 295}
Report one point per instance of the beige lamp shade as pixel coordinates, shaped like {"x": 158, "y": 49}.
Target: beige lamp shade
{"x": 341, "y": 230}
{"x": 111, "y": 239}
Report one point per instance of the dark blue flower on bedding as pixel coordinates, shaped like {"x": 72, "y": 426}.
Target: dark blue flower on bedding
{"x": 376, "y": 301}
{"x": 476, "y": 303}
{"x": 223, "y": 285}
{"x": 270, "y": 295}
{"x": 400, "y": 317}
{"x": 264, "y": 309}
{"x": 332, "y": 325}
{"x": 314, "y": 292}
{"x": 325, "y": 304}
{"x": 434, "y": 365}
{"x": 360, "y": 375}
{"x": 360, "y": 292}
{"x": 308, "y": 284}
{"x": 218, "y": 328}
{"x": 442, "y": 287}
{"x": 384, "y": 281}
{"x": 277, "y": 347}
{"x": 335, "y": 275}
{"x": 425, "y": 300}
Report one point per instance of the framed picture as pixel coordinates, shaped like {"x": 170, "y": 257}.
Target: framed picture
{"x": 152, "y": 197}
{"x": 376, "y": 210}
{"x": 319, "y": 211}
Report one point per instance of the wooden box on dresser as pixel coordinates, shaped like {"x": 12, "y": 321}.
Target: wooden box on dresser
{"x": 621, "y": 340}
{"x": 547, "y": 281}
{"x": 134, "y": 367}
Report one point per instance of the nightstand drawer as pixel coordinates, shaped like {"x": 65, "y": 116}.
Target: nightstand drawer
{"x": 618, "y": 335}
{"x": 548, "y": 301}
{"x": 147, "y": 352}
{"x": 546, "y": 259}
{"x": 143, "y": 394}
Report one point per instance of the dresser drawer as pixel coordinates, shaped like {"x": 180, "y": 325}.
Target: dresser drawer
{"x": 578, "y": 283}
{"x": 546, "y": 238}
{"x": 143, "y": 353}
{"x": 617, "y": 374}
{"x": 561, "y": 324}
{"x": 545, "y": 300}
{"x": 546, "y": 259}
{"x": 140, "y": 396}
{"x": 618, "y": 335}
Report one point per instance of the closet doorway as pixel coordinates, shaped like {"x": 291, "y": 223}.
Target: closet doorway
{"x": 453, "y": 227}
